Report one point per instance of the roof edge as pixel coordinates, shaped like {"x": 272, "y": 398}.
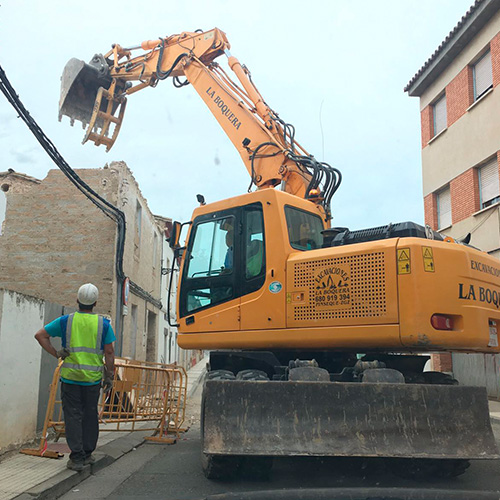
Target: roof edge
{"x": 479, "y": 14}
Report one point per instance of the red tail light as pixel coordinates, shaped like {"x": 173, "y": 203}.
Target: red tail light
{"x": 442, "y": 322}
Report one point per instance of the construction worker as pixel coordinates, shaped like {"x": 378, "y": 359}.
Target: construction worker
{"x": 85, "y": 337}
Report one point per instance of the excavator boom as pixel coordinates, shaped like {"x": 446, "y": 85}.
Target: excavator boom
{"x": 96, "y": 94}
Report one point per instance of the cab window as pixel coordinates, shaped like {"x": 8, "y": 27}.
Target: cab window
{"x": 212, "y": 252}
{"x": 254, "y": 244}
{"x": 304, "y": 229}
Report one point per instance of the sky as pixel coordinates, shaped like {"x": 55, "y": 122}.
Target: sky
{"x": 334, "y": 69}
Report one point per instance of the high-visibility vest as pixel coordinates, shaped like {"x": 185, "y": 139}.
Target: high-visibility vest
{"x": 84, "y": 341}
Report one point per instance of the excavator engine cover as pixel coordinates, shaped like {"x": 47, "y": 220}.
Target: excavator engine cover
{"x": 80, "y": 83}
{"x": 283, "y": 418}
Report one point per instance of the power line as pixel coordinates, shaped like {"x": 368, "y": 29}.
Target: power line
{"x": 107, "y": 208}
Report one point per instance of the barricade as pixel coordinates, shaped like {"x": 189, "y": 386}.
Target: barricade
{"x": 145, "y": 396}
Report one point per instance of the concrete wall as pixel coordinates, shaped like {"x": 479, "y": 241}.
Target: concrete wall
{"x": 21, "y": 317}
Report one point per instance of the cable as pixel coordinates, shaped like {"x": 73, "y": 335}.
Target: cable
{"x": 107, "y": 208}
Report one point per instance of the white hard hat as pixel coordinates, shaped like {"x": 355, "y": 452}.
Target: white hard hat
{"x": 88, "y": 294}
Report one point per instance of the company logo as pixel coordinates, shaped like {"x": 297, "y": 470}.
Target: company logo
{"x": 332, "y": 287}
{"x": 224, "y": 108}
{"x": 275, "y": 287}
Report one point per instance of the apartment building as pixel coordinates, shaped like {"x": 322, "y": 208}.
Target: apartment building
{"x": 460, "y": 123}
{"x": 460, "y": 132}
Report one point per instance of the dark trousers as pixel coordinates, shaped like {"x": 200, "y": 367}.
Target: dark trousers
{"x": 81, "y": 419}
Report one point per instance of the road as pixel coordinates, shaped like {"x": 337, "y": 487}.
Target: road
{"x": 155, "y": 471}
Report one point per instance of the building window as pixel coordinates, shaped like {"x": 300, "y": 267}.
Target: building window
{"x": 133, "y": 332}
{"x": 482, "y": 76}
{"x": 489, "y": 184}
{"x": 138, "y": 219}
{"x": 444, "y": 208}
{"x": 439, "y": 115}
{"x": 155, "y": 249}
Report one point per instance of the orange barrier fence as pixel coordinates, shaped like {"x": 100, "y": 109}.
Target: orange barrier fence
{"x": 145, "y": 396}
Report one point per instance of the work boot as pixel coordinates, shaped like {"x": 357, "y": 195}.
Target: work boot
{"x": 89, "y": 460}
{"x": 77, "y": 466}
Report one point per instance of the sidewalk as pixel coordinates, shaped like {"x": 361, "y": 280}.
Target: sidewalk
{"x": 24, "y": 477}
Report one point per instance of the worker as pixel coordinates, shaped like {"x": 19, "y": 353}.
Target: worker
{"x": 85, "y": 336}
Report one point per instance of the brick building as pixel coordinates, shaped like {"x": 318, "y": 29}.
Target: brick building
{"x": 460, "y": 125}
{"x": 460, "y": 120}
{"x": 53, "y": 239}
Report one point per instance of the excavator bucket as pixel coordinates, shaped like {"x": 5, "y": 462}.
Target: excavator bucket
{"x": 80, "y": 83}
{"x": 346, "y": 419}
{"x": 90, "y": 95}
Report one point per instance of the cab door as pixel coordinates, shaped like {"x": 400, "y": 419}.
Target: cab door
{"x": 210, "y": 289}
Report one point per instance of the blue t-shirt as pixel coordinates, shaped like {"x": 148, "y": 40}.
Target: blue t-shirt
{"x": 57, "y": 328}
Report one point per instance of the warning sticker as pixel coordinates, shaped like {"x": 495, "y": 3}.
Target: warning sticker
{"x": 404, "y": 264}
{"x": 428, "y": 259}
{"x": 332, "y": 287}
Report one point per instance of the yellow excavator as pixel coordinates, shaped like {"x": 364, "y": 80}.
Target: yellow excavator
{"x": 318, "y": 335}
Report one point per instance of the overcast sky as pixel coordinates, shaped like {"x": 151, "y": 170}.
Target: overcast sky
{"x": 335, "y": 69}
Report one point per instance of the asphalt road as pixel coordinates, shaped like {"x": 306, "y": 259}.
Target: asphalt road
{"x": 173, "y": 472}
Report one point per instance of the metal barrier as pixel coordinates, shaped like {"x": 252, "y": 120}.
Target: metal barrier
{"x": 143, "y": 394}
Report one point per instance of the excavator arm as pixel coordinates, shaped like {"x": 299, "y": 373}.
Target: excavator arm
{"x": 96, "y": 94}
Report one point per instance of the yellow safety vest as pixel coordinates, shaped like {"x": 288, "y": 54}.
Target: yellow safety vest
{"x": 84, "y": 342}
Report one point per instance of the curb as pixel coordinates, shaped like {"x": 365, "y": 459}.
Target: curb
{"x": 495, "y": 419}
{"x": 105, "y": 455}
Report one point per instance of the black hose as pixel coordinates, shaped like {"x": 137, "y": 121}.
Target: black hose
{"x": 163, "y": 75}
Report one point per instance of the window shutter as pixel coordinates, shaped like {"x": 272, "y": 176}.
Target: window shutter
{"x": 490, "y": 185}
{"x": 444, "y": 208}
{"x": 483, "y": 77}
{"x": 440, "y": 115}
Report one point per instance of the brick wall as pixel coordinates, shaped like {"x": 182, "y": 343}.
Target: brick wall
{"x": 495, "y": 59}
{"x": 55, "y": 239}
{"x": 430, "y": 211}
{"x": 459, "y": 95}
{"x": 442, "y": 362}
{"x": 427, "y": 125}
{"x": 464, "y": 191}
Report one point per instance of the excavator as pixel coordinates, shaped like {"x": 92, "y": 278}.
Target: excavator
{"x": 318, "y": 336}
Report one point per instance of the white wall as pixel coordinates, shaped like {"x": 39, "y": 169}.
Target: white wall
{"x": 21, "y": 317}
{"x": 166, "y": 351}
